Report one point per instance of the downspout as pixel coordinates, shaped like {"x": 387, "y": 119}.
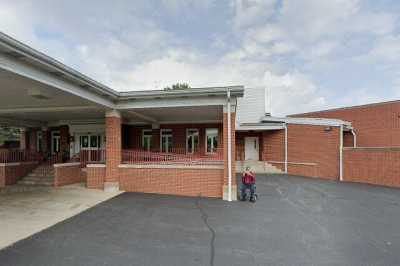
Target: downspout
{"x": 286, "y": 149}
{"x": 341, "y": 154}
{"x": 354, "y": 138}
{"x": 229, "y": 146}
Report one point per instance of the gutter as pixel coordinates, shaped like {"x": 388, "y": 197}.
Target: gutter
{"x": 286, "y": 149}
{"x": 341, "y": 154}
{"x": 354, "y": 138}
{"x": 237, "y": 91}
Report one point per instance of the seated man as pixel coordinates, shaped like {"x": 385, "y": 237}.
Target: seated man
{"x": 248, "y": 182}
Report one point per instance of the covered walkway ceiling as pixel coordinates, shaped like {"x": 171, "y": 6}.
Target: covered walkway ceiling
{"x": 26, "y": 102}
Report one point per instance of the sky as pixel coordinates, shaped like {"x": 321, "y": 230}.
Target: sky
{"x": 308, "y": 54}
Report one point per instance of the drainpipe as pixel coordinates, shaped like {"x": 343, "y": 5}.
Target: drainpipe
{"x": 354, "y": 138}
{"x": 341, "y": 154}
{"x": 286, "y": 149}
{"x": 229, "y": 146}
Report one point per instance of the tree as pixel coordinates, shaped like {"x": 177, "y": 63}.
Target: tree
{"x": 8, "y": 134}
{"x": 178, "y": 86}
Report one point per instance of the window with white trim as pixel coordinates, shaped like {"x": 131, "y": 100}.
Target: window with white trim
{"x": 211, "y": 140}
{"x": 147, "y": 135}
{"x": 166, "y": 140}
{"x": 192, "y": 140}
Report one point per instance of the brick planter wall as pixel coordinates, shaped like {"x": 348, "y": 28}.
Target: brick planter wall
{"x": 95, "y": 176}
{"x": 10, "y": 173}
{"x": 205, "y": 181}
{"x": 67, "y": 173}
{"x": 378, "y": 166}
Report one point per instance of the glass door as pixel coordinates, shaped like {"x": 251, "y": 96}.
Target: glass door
{"x": 192, "y": 140}
{"x": 90, "y": 147}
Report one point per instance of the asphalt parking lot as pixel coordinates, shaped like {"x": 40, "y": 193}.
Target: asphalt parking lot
{"x": 296, "y": 221}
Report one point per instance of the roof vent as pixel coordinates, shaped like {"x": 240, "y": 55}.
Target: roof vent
{"x": 36, "y": 93}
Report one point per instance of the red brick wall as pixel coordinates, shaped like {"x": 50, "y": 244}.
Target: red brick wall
{"x": 376, "y": 125}
{"x": 274, "y": 147}
{"x": 312, "y": 151}
{"x": 155, "y": 139}
{"x": 373, "y": 166}
{"x": 68, "y": 173}
{"x": 11, "y": 173}
{"x": 95, "y": 177}
{"x": 312, "y": 144}
{"x": 113, "y": 148}
{"x": 178, "y": 135}
{"x": 31, "y": 137}
{"x": 64, "y": 139}
{"x": 184, "y": 182}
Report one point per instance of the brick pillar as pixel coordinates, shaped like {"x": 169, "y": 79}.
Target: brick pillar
{"x": 233, "y": 151}
{"x": 155, "y": 139}
{"x": 45, "y": 140}
{"x": 22, "y": 139}
{"x": 31, "y": 134}
{"x": 64, "y": 142}
{"x": 113, "y": 150}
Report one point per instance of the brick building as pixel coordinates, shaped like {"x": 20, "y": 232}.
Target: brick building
{"x": 188, "y": 142}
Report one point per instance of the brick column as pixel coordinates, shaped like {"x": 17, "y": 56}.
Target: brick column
{"x": 64, "y": 142}
{"x": 22, "y": 139}
{"x": 113, "y": 150}
{"x": 233, "y": 151}
{"x": 155, "y": 139}
{"x": 32, "y": 139}
{"x": 45, "y": 140}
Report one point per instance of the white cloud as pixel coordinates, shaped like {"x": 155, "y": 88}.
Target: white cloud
{"x": 292, "y": 93}
{"x": 131, "y": 50}
{"x": 386, "y": 49}
{"x": 248, "y": 12}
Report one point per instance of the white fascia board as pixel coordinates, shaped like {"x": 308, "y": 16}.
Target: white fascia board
{"x": 17, "y": 67}
{"x": 171, "y": 102}
{"x": 236, "y": 91}
{"x": 259, "y": 128}
{"x": 47, "y": 109}
{"x": 308, "y": 121}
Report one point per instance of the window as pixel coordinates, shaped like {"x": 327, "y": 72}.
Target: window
{"x": 95, "y": 141}
{"x": 166, "y": 140}
{"x": 212, "y": 139}
{"x": 84, "y": 141}
{"x": 192, "y": 140}
{"x": 146, "y": 139}
{"x": 39, "y": 141}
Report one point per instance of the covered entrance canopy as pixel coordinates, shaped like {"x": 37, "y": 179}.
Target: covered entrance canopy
{"x": 63, "y": 112}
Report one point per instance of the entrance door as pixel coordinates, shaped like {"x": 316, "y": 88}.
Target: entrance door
{"x": 251, "y": 148}
{"x": 90, "y": 147}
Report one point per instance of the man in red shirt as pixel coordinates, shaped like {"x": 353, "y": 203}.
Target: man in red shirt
{"x": 248, "y": 183}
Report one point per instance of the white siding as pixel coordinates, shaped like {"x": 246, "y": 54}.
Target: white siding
{"x": 251, "y": 107}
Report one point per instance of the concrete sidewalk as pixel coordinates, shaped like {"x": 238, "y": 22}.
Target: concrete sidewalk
{"x": 26, "y": 210}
